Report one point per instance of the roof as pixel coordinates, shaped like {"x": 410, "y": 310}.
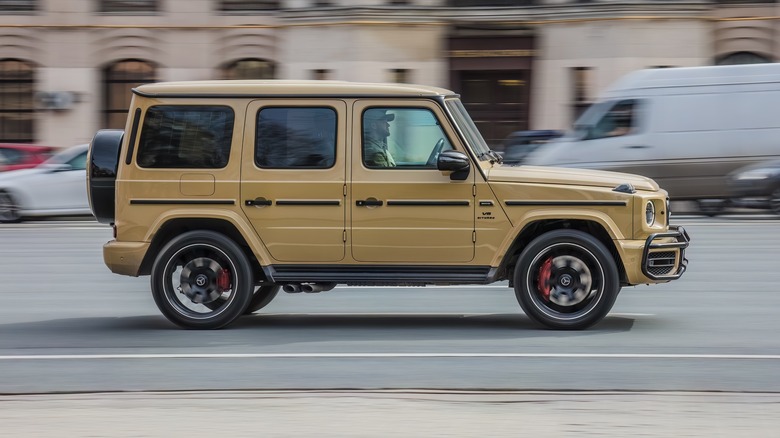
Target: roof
{"x": 693, "y": 76}
{"x": 286, "y": 88}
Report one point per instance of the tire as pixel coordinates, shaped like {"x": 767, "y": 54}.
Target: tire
{"x": 774, "y": 201}
{"x": 200, "y": 267}
{"x": 262, "y": 297}
{"x": 712, "y": 207}
{"x": 581, "y": 277}
{"x": 9, "y": 210}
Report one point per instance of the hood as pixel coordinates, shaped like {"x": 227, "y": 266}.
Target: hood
{"x": 568, "y": 176}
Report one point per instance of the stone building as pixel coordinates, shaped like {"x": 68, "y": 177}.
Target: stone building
{"x": 66, "y": 66}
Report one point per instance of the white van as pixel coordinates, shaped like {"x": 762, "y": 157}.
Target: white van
{"x": 687, "y": 128}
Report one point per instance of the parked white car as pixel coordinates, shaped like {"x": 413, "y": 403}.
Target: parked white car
{"x": 57, "y": 187}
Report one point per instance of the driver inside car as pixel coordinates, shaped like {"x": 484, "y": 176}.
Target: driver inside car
{"x": 376, "y": 129}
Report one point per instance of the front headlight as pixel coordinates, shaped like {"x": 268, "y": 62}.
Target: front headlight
{"x": 649, "y": 213}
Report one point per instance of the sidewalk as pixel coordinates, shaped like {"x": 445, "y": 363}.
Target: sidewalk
{"x": 391, "y": 414}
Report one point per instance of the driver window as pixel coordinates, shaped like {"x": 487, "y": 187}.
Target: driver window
{"x": 617, "y": 121}
{"x": 409, "y": 138}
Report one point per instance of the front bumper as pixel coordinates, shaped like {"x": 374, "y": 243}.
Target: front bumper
{"x": 663, "y": 257}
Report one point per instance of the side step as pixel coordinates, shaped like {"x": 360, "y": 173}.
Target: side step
{"x": 381, "y": 275}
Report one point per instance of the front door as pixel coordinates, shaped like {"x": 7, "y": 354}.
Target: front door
{"x": 293, "y": 177}
{"x": 403, "y": 209}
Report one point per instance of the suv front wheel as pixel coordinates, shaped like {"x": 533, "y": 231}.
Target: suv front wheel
{"x": 566, "y": 279}
{"x": 202, "y": 280}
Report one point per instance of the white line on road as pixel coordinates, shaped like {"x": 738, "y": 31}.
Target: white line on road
{"x": 29, "y": 357}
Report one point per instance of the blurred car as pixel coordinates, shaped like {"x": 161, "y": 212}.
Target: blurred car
{"x": 57, "y": 187}
{"x": 520, "y": 143}
{"x": 756, "y": 186}
{"x": 23, "y": 156}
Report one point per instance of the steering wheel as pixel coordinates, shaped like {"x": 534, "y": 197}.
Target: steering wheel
{"x": 435, "y": 153}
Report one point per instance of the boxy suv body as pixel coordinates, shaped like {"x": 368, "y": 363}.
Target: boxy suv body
{"x": 226, "y": 191}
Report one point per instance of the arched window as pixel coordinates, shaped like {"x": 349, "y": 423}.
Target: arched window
{"x": 17, "y": 107}
{"x": 118, "y": 79}
{"x": 249, "y": 69}
{"x": 742, "y": 58}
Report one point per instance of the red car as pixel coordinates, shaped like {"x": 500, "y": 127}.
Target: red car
{"x": 23, "y": 156}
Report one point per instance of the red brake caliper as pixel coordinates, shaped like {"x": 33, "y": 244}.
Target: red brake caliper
{"x": 223, "y": 280}
{"x": 545, "y": 272}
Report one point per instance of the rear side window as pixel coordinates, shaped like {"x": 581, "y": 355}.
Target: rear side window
{"x": 296, "y": 137}
{"x": 190, "y": 137}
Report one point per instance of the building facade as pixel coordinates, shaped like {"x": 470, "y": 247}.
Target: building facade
{"x": 66, "y": 66}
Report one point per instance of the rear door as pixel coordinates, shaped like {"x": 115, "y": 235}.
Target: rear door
{"x": 293, "y": 177}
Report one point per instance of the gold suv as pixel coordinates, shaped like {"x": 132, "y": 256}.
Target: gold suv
{"x": 226, "y": 192}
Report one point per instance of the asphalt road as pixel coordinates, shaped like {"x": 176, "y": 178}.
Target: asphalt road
{"x": 68, "y": 325}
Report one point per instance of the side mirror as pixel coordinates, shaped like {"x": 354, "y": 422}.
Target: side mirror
{"x": 456, "y": 162}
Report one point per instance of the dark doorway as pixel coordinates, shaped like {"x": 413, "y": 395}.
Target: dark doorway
{"x": 497, "y": 101}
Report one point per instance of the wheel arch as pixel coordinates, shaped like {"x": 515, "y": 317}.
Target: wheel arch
{"x": 176, "y": 226}
{"x": 534, "y": 229}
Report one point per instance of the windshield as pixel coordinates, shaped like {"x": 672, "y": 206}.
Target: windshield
{"x": 588, "y": 119}
{"x": 468, "y": 128}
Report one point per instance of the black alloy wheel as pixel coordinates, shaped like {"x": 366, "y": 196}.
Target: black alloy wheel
{"x": 566, "y": 279}
{"x": 202, "y": 280}
{"x": 9, "y": 210}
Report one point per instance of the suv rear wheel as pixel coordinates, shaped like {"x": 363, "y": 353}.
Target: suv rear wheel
{"x": 566, "y": 279}
{"x": 202, "y": 280}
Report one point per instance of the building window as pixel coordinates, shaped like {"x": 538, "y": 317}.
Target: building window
{"x": 742, "y": 58}
{"x": 399, "y": 75}
{"x": 472, "y": 3}
{"x": 118, "y": 80}
{"x": 248, "y": 5}
{"x": 17, "y": 107}
{"x": 321, "y": 74}
{"x": 18, "y": 5}
{"x": 582, "y": 83}
{"x": 129, "y": 6}
{"x": 249, "y": 69}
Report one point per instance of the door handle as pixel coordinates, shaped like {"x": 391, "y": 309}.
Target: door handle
{"x": 369, "y": 203}
{"x": 257, "y": 202}
{"x": 637, "y": 146}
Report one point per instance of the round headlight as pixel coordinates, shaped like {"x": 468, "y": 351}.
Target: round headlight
{"x": 649, "y": 213}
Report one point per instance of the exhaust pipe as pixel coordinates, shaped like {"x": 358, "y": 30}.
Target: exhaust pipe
{"x": 317, "y": 287}
{"x": 291, "y": 288}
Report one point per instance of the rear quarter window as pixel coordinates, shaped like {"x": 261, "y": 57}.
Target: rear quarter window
{"x": 188, "y": 137}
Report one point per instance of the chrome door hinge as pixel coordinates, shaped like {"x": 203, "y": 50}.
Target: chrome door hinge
{"x": 344, "y": 236}
{"x": 474, "y": 190}
{"x": 344, "y": 192}
{"x": 474, "y": 236}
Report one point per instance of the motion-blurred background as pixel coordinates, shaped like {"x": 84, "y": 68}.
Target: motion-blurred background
{"x": 66, "y": 66}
